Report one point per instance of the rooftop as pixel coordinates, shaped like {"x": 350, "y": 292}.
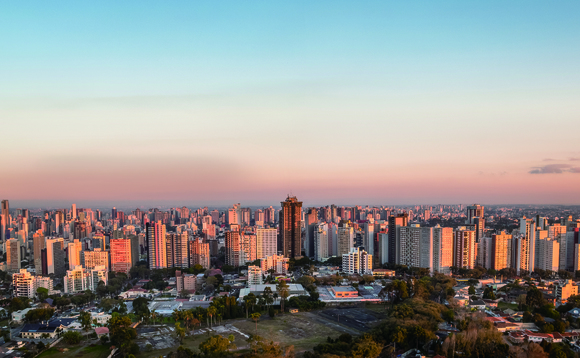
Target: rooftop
{"x": 344, "y": 289}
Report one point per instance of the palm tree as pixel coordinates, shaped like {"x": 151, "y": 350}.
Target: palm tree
{"x": 267, "y": 295}
{"x": 153, "y": 315}
{"x": 177, "y": 314}
{"x": 211, "y": 311}
{"x": 180, "y": 332}
{"x": 189, "y": 319}
{"x": 282, "y": 289}
{"x": 256, "y": 318}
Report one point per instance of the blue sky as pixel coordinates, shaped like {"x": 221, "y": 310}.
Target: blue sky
{"x": 398, "y": 90}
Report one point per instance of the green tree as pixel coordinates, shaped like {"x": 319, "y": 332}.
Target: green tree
{"x": 85, "y": 319}
{"x": 42, "y": 294}
{"x": 18, "y": 304}
{"x": 72, "y": 337}
{"x": 471, "y": 290}
{"x": 366, "y": 348}
{"x": 535, "y": 298}
{"x": 39, "y": 314}
{"x": 216, "y": 346}
{"x": 140, "y": 307}
{"x": 121, "y": 333}
{"x": 397, "y": 290}
{"x": 488, "y": 293}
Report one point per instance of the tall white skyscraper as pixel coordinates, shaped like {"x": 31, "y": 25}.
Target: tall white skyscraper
{"x": 321, "y": 241}
{"x": 416, "y": 246}
{"x": 266, "y": 242}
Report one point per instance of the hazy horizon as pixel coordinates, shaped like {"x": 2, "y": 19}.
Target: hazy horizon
{"x": 25, "y": 204}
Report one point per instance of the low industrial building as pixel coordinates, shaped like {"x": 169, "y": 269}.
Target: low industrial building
{"x": 294, "y": 289}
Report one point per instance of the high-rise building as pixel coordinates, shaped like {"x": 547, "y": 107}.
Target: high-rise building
{"x": 99, "y": 241}
{"x": 121, "y": 257}
{"x": 321, "y": 241}
{"x": 157, "y": 247}
{"x": 74, "y": 250}
{"x": 97, "y": 257}
{"x": 185, "y": 282}
{"x": 357, "y": 261}
{"x": 369, "y": 235}
{"x": 270, "y": 215}
{"x": 39, "y": 244}
{"x": 248, "y": 247}
{"x": 254, "y": 275}
{"x": 464, "y": 248}
{"x": 278, "y": 263}
{"x": 13, "y": 255}
{"x": 266, "y": 242}
{"x": 233, "y": 246}
{"x": 564, "y": 291}
{"x": 215, "y": 216}
{"x": 345, "y": 237}
{"x": 474, "y": 211}
{"x": 259, "y": 218}
{"x": 80, "y": 279}
{"x": 416, "y": 248}
{"x": 235, "y": 215}
{"x": 525, "y": 248}
{"x": 310, "y": 220}
{"x": 475, "y": 217}
{"x": 539, "y": 235}
{"x": 246, "y": 216}
{"x": 54, "y": 257}
{"x": 382, "y": 254}
{"x": 568, "y": 242}
{"x": 6, "y": 222}
{"x": 442, "y": 249}
{"x": 395, "y": 224}
{"x": 500, "y": 251}
{"x": 177, "y": 253}
{"x": 26, "y": 285}
{"x": 549, "y": 254}
{"x": 199, "y": 253}
{"x": 291, "y": 227}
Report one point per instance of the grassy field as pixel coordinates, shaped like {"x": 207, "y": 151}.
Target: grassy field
{"x": 378, "y": 308}
{"x": 299, "y": 330}
{"x": 96, "y": 351}
{"x": 504, "y": 305}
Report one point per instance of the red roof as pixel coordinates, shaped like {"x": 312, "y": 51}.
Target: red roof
{"x": 101, "y": 330}
{"x": 495, "y": 319}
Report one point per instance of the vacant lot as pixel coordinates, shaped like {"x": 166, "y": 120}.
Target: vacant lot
{"x": 302, "y": 330}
